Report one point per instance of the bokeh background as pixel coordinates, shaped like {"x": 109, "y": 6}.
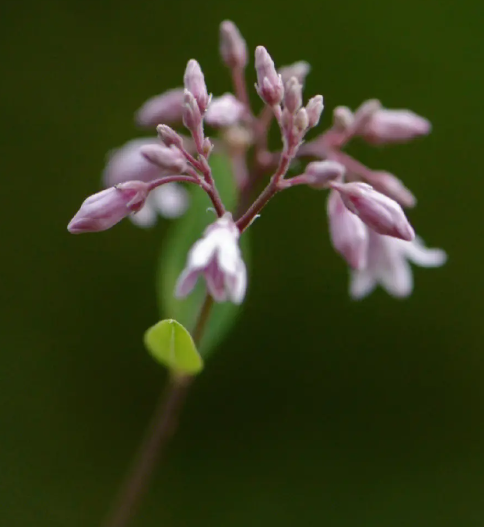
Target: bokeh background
{"x": 316, "y": 410}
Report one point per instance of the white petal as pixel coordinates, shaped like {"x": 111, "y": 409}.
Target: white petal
{"x": 417, "y": 253}
{"x": 145, "y": 217}
{"x": 362, "y": 283}
{"x": 186, "y": 282}
{"x": 171, "y": 200}
{"x": 237, "y": 284}
{"x": 215, "y": 279}
{"x": 201, "y": 253}
{"x": 396, "y": 277}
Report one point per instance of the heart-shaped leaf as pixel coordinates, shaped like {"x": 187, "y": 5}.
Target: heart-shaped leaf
{"x": 171, "y": 345}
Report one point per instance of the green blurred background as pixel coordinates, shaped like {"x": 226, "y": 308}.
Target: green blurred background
{"x": 316, "y": 411}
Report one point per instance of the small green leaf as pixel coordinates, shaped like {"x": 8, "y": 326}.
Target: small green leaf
{"x": 171, "y": 345}
{"x": 178, "y": 241}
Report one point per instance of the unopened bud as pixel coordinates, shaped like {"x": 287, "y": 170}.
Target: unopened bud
{"x": 223, "y": 111}
{"x": 301, "y": 121}
{"x": 342, "y": 118}
{"x": 101, "y": 211}
{"x": 169, "y": 136}
{"x": 314, "y": 108}
{"x": 192, "y": 118}
{"x": 269, "y": 83}
{"x": 394, "y": 126}
{"x": 364, "y": 113}
{"x": 293, "y": 95}
{"x": 299, "y": 70}
{"x": 164, "y": 108}
{"x": 379, "y": 212}
{"x": 195, "y": 84}
{"x": 233, "y": 47}
{"x": 167, "y": 158}
{"x": 207, "y": 147}
{"x": 320, "y": 173}
{"x": 392, "y": 187}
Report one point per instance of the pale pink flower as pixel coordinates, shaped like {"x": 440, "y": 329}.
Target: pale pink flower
{"x": 128, "y": 163}
{"x": 314, "y": 109}
{"x": 388, "y": 265}
{"x": 169, "y": 201}
{"x": 379, "y": 212}
{"x": 103, "y": 210}
{"x": 320, "y": 173}
{"x": 225, "y": 110}
{"x": 299, "y": 69}
{"x": 394, "y": 126}
{"x": 349, "y": 235}
{"x": 218, "y": 258}
{"x": 164, "y": 108}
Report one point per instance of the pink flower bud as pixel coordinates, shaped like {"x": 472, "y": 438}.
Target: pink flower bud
{"x": 349, "y": 235}
{"x": 169, "y": 136}
{"x": 192, "y": 118}
{"x": 218, "y": 258}
{"x": 314, "y": 108}
{"x": 364, "y": 113}
{"x": 101, "y": 211}
{"x": 378, "y": 211}
{"x": 127, "y": 164}
{"x": 293, "y": 95}
{"x": 232, "y": 45}
{"x": 195, "y": 84}
{"x": 223, "y": 111}
{"x": 342, "y": 118}
{"x": 394, "y": 126}
{"x": 269, "y": 83}
{"x": 299, "y": 70}
{"x": 301, "y": 121}
{"x": 320, "y": 173}
{"x": 164, "y": 108}
{"x": 391, "y": 186}
{"x": 167, "y": 158}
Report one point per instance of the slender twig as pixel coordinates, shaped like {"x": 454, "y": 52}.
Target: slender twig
{"x": 162, "y": 427}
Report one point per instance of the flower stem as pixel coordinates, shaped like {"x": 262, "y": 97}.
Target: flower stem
{"x": 162, "y": 427}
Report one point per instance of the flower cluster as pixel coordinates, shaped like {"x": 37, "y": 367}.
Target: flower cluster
{"x": 367, "y": 223}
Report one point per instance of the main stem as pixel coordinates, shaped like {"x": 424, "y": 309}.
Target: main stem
{"x": 162, "y": 427}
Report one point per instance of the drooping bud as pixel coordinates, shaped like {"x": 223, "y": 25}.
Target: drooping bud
{"x": 342, "y": 118}
{"x": 394, "y": 126}
{"x": 233, "y": 47}
{"x": 218, "y": 258}
{"x": 299, "y": 70}
{"x": 168, "y": 136}
{"x": 320, "y": 173}
{"x": 192, "y": 117}
{"x": 223, "y": 111}
{"x": 195, "y": 84}
{"x": 269, "y": 83}
{"x": 314, "y": 108}
{"x": 293, "y": 95}
{"x": 349, "y": 235}
{"x": 392, "y": 187}
{"x": 379, "y": 212}
{"x": 101, "y": 211}
{"x": 164, "y": 108}
{"x": 167, "y": 158}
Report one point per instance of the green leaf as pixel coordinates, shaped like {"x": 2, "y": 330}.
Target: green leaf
{"x": 178, "y": 241}
{"x": 171, "y": 345}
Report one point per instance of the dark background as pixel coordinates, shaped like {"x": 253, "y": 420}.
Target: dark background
{"x": 317, "y": 411}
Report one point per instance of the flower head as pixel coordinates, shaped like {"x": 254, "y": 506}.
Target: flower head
{"x": 388, "y": 265}
{"x": 218, "y": 258}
